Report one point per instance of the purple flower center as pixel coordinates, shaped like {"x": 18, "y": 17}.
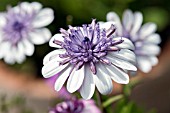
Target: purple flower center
{"x": 74, "y": 106}
{"x": 86, "y": 39}
{"x": 18, "y": 26}
{"x": 88, "y": 44}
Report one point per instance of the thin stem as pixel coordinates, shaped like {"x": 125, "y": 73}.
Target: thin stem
{"x": 99, "y": 100}
{"x": 112, "y": 99}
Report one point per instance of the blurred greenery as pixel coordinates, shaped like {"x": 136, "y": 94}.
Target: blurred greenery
{"x": 126, "y": 106}
{"x": 16, "y": 103}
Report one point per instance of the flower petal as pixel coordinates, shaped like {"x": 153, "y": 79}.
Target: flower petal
{"x": 53, "y": 55}
{"x": 20, "y": 56}
{"x": 153, "y": 60}
{"x": 62, "y": 78}
{"x": 43, "y": 18}
{"x": 126, "y": 44}
{"x": 8, "y": 54}
{"x": 112, "y": 16}
{"x": 36, "y": 6}
{"x": 106, "y": 25}
{"x": 4, "y": 46}
{"x": 75, "y": 80}
{"x": 102, "y": 80}
{"x": 147, "y": 29}
{"x": 117, "y": 74}
{"x": 25, "y": 6}
{"x": 148, "y": 49}
{"x": 51, "y": 68}
{"x": 40, "y": 36}
{"x": 128, "y": 20}
{"x": 58, "y": 37}
{"x": 2, "y": 20}
{"x": 153, "y": 38}
{"x": 125, "y": 54}
{"x": 88, "y": 86}
{"x": 144, "y": 64}
{"x": 138, "y": 18}
{"x": 121, "y": 63}
{"x": 29, "y": 47}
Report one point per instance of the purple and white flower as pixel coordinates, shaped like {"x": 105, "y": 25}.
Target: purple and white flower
{"x": 143, "y": 37}
{"x": 21, "y": 27}
{"x": 76, "y": 106}
{"x": 89, "y": 56}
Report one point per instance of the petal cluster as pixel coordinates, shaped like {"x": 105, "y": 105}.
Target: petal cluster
{"x": 21, "y": 27}
{"x": 76, "y": 106}
{"x": 143, "y": 37}
{"x": 88, "y": 57}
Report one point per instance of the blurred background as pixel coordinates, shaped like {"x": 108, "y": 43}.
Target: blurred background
{"x": 23, "y": 83}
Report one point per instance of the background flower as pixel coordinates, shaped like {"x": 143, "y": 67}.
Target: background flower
{"x": 143, "y": 37}
{"x": 89, "y": 56}
{"x": 20, "y": 28}
{"x": 76, "y": 106}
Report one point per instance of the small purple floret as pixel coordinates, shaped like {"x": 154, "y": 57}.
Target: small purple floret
{"x": 71, "y": 106}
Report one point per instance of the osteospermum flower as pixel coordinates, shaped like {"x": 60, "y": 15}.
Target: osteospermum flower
{"x": 89, "y": 56}
{"x": 20, "y": 28}
{"x": 76, "y": 106}
{"x": 143, "y": 37}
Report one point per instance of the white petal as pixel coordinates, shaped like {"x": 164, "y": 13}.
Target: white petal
{"x": 88, "y": 87}
{"x": 43, "y": 18}
{"x": 121, "y": 63}
{"x": 9, "y": 55}
{"x": 153, "y": 60}
{"x": 138, "y": 18}
{"x": 102, "y": 80}
{"x": 126, "y": 44}
{"x": 75, "y": 80}
{"x": 153, "y": 38}
{"x": 4, "y": 49}
{"x": 51, "y": 68}
{"x": 125, "y": 54}
{"x": 25, "y": 6}
{"x": 106, "y": 25}
{"x": 112, "y": 16}
{"x": 53, "y": 55}
{"x": 147, "y": 29}
{"x": 36, "y": 6}
{"x": 148, "y": 49}
{"x": 40, "y": 36}
{"x": 9, "y": 59}
{"x": 29, "y": 47}
{"x": 117, "y": 74}
{"x": 20, "y": 56}
{"x": 2, "y": 20}
{"x": 128, "y": 19}
{"x": 58, "y": 37}
{"x": 62, "y": 78}
{"x": 144, "y": 64}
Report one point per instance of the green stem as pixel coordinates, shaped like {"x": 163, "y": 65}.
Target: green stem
{"x": 112, "y": 99}
{"x": 99, "y": 101}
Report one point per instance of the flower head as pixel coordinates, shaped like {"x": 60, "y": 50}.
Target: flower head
{"x": 76, "y": 106}
{"x": 21, "y": 27}
{"x": 89, "y": 56}
{"x": 143, "y": 37}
